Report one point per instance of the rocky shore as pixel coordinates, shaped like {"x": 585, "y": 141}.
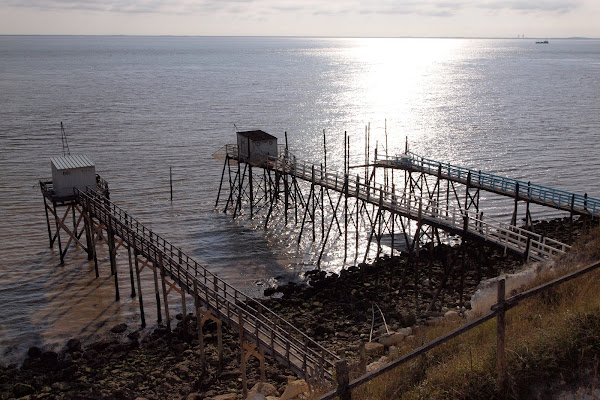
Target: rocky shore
{"x": 336, "y": 310}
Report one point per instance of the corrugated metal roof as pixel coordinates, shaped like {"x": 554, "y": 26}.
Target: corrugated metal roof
{"x": 257, "y": 135}
{"x": 71, "y": 162}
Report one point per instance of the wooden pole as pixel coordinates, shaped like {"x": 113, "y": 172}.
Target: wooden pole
{"x": 342, "y": 375}
{"x": 156, "y": 290}
{"x": 131, "y": 272}
{"x": 113, "y": 258}
{"x": 501, "y": 336}
{"x": 56, "y": 217}
{"x": 184, "y": 315}
{"x": 242, "y": 354}
{"x": 165, "y": 300}
{"x": 139, "y": 283}
{"x": 199, "y": 324}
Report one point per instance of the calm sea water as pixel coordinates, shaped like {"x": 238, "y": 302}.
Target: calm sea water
{"x": 139, "y": 105}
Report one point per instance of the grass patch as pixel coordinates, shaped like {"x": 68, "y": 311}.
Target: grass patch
{"x": 552, "y": 342}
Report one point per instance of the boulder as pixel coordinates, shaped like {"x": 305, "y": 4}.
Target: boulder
{"x": 264, "y": 388}
{"x": 73, "y": 345}
{"x": 451, "y": 313}
{"x": 228, "y": 396}
{"x": 119, "y": 328}
{"x": 22, "y": 389}
{"x": 293, "y": 389}
{"x": 34, "y": 352}
{"x": 392, "y": 339}
{"x": 375, "y": 365}
{"x": 374, "y": 349}
{"x": 256, "y": 396}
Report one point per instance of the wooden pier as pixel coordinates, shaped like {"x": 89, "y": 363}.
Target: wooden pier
{"x": 387, "y": 210}
{"x": 526, "y": 192}
{"x": 261, "y": 331}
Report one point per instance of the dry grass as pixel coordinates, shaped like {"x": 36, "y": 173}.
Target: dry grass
{"x": 552, "y": 338}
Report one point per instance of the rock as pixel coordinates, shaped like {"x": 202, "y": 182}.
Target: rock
{"x": 450, "y": 313}
{"x": 60, "y": 386}
{"x": 228, "y": 396}
{"x": 406, "y": 331}
{"x": 22, "y": 389}
{"x": 375, "y": 366}
{"x": 294, "y": 388}
{"x": 50, "y": 359}
{"x": 374, "y": 349}
{"x": 256, "y": 396}
{"x": 393, "y": 353}
{"x": 264, "y": 388}
{"x": 194, "y": 396}
{"x": 34, "y": 352}
{"x": 393, "y": 339}
{"x": 119, "y": 328}
{"x": 74, "y": 345}
{"x": 135, "y": 335}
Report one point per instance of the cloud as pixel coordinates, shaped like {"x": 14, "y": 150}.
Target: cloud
{"x": 552, "y": 6}
{"x": 337, "y": 8}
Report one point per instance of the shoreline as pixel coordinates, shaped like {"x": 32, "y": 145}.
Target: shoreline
{"x": 334, "y": 309}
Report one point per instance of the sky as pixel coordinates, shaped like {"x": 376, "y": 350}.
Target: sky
{"x": 338, "y": 18}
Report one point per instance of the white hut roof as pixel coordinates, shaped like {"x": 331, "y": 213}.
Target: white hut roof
{"x": 71, "y": 162}
{"x": 257, "y": 136}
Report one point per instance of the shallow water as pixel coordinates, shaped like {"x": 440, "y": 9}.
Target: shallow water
{"x": 139, "y": 105}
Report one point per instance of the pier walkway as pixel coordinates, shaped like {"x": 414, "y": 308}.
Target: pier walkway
{"x": 425, "y": 210}
{"x": 519, "y": 190}
{"x": 261, "y": 330}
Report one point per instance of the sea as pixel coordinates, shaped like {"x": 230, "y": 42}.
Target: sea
{"x": 140, "y": 107}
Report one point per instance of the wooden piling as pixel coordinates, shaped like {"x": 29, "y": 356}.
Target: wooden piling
{"x": 165, "y": 300}
{"x": 139, "y": 283}
{"x": 156, "y": 291}
{"x": 501, "y": 336}
{"x": 199, "y": 328}
{"x": 131, "y": 272}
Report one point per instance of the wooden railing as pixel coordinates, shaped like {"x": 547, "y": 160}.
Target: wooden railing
{"x": 560, "y": 199}
{"x": 498, "y": 310}
{"x": 262, "y": 326}
{"x": 426, "y": 209}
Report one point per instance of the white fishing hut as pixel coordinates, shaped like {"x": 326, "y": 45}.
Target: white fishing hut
{"x": 72, "y": 171}
{"x": 256, "y": 146}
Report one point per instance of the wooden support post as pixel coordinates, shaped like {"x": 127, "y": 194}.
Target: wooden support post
{"x": 56, "y": 217}
{"x": 220, "y": 346}
{"x": 514, "y": 216}
{"x": 225, "y": 163}
{"x": 261, "y": 359}
{"x": 242, "y": 354}
{"x": 199, "y": 326}
{"x": 184, "y": 315}
{"x": 139, "y": 283}
{"x": 113, "y": 259}
{"x": 250, "y": 179}
{"x": 131, "y": 272}
{"x": 156, "y": 290}
{"x": 165, "y": 300}
{"x": 501, "y": 336}
{"x": 171, "y": 181}
{"x": 342, "y": 374}
{"x": 47, "y": 220}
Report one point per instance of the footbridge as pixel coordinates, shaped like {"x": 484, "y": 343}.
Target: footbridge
{"x": 425, "y": 210}
{"x": 261, "y": 330}
{"x": 516, "y": 189}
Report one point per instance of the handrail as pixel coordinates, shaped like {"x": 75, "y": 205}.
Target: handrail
{"x": 508, "y": 236}
{"x": 550, "y": 196}
{"x": 216, "y": 293}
